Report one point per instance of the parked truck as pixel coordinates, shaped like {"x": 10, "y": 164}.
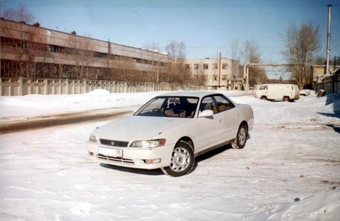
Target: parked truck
{"x": 285, "y": 92}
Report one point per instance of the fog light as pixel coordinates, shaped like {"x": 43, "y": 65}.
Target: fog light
{"x": 153, "y": 161}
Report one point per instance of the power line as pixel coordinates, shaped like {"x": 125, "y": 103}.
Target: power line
{"x": 336, "y": 45}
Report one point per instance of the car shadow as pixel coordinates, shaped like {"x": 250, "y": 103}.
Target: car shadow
{"x": 333, "y": 99}
{"x": 155, "y": 172}
{"x": 209, "y": 155}
{"x": 336, "y": 114}
{"x": 213, "y": 153}
{"x": 335, "y": 128}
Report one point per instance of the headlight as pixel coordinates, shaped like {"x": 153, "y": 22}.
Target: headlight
{"x": 93, "y": 139}
{"x": 148, "y": 143}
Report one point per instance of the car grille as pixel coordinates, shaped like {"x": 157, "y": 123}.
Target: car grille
{"x": 116, "y": 159}
{"x": 115, "y": 143}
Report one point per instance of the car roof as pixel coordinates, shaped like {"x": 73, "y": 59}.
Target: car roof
{"x": 199, "y": 94}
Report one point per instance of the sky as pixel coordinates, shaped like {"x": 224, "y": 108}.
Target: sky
{"x": 288, "y": 170}
{"x": 207, "y": 28}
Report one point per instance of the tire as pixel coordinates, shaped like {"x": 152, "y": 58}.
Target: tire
{"x": 182, "y": 160}
{"x": 286, "y": 99}
{"x": 241, "y": 137}
{"x": 263, "y": 98}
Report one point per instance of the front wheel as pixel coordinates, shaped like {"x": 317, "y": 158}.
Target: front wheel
{"x": 241, "y": 137}
{"x": 182, "y": 160}
{"x": 286, "y": 99}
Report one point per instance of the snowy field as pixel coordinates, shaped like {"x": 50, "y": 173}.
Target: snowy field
{"x": 289, "y": 169}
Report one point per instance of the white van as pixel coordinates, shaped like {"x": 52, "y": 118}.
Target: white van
{"x": 285, "y": 92}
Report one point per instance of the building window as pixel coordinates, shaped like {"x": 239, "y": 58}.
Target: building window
{"x": 205, "y": 66}
{"x": 196, "y": 66}
{"x": 187, "y": 66}
{"x": 99, "y": 55}
{"x": 215, "y": 66}
{"x": 215, "y": 77}
{"x": 224, "y": 66}
{"x": 54, "y": 48}
{"x": 224, "y": 77}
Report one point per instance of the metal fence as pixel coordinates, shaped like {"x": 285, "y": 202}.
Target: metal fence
{"x": 329, "y": 85}
{"x": 24, "y": 86}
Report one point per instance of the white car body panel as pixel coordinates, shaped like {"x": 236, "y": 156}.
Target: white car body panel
{"x": 137, "y": 127}
{"x": 210, "y": 131}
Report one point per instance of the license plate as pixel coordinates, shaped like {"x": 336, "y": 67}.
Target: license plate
{"x": 110, "y": 152}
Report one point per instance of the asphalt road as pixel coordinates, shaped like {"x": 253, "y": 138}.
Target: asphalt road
{"x": 61, "y": 119}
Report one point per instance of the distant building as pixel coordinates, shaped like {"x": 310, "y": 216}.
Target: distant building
{"x": 318, "y": 72}
{"x": 36, "y": 52}
{"x": 217, "y": 73}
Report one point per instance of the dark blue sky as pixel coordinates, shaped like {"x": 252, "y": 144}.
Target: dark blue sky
{"x": 206, "y": 27}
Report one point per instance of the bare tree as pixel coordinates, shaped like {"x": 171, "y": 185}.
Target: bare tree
{"x": 27, "y": 44}
{"x": 23, "y": 39}
{"x": 176, "y": 69}
{"x": 82, "y": 52}
{"x": 152, "y": 47}
{"x": 301, "y": 45}
{"x": 320, "y": 60}
{"x": 20, "y": 14}
{"x": 250, "y": 54}
{"x": 197, "y": 76}
{"x": 176, "y": 50}
{"x": 124, "y": 70}
{"x": 153, "y": 70}
{"x": 234, "y": 50}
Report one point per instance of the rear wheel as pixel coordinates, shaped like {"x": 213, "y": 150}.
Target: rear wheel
{"x": 263, "y": 98}
{"x": 286, "y": 99}
{"x": 241, "y": 137}
{"x": 182, "y": 160}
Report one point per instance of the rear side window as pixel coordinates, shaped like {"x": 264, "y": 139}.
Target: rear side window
{"x": 264, "y": 87}
{"x": 223, "y": 103}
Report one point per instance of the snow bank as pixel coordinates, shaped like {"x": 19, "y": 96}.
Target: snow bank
{"x": 99, "y": 92}
{"x": 320, "y": 206}
{"x": 21, "y": 107}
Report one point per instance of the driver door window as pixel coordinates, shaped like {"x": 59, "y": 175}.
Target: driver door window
{"x": 208, "y": 104}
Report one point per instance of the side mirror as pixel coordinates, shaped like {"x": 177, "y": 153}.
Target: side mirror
{"x": 206, "y": 113}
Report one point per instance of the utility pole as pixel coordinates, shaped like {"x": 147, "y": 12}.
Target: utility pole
{"x": 328, "y": 37}
{"x": 219, "y": 71}
{"x": 247, "y": 80}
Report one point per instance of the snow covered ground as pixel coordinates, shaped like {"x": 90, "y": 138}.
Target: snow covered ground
{"x": 289, "y": 169}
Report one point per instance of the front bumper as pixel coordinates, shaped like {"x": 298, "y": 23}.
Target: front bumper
{"x": 139, "y": 158}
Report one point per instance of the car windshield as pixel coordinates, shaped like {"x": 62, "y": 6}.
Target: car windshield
{"x": 168, "y": 106}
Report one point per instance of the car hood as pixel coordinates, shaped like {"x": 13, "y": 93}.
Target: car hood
{"x": 137, "y": 127}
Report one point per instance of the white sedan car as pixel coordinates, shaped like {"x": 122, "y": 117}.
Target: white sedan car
{"x": 170, "y": 130}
